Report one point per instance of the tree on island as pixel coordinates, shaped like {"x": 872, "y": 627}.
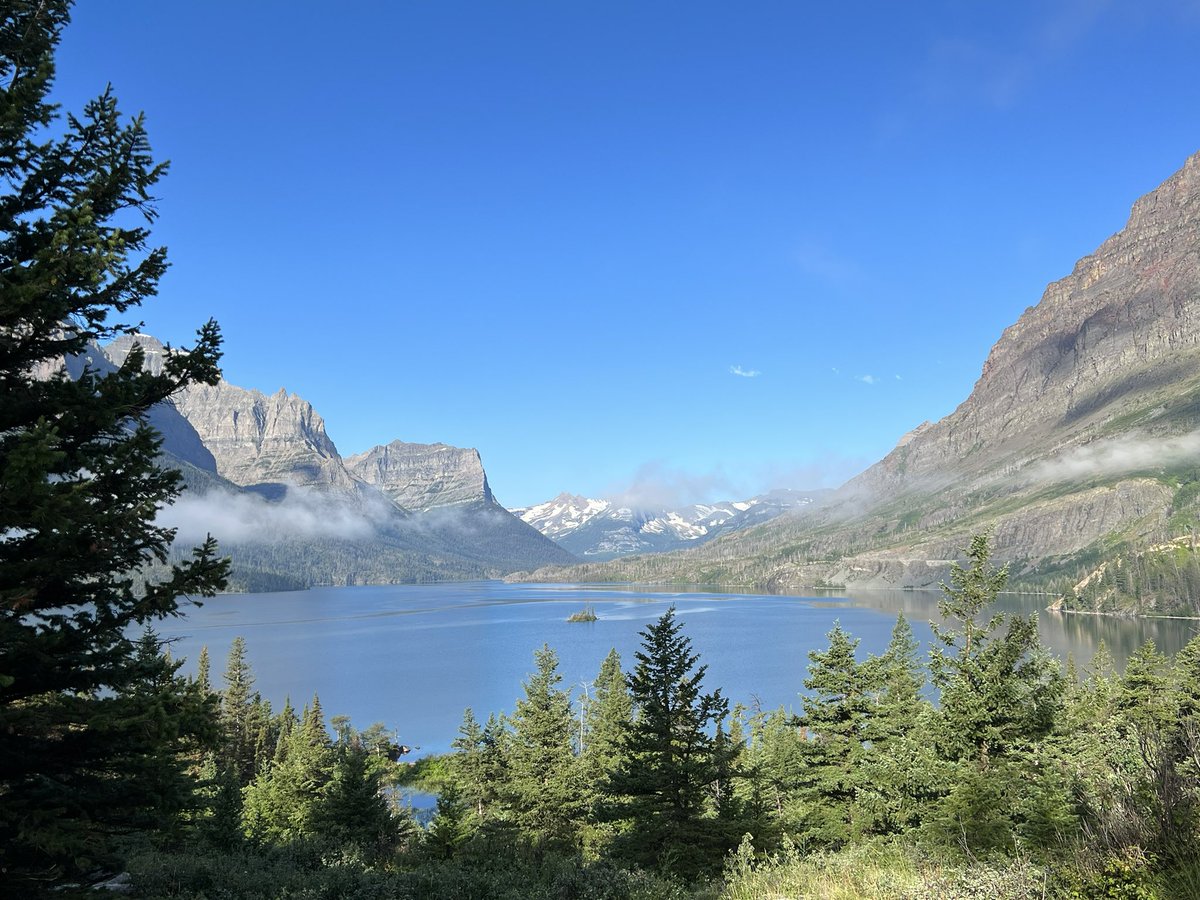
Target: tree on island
{"x": 80, "y": 483}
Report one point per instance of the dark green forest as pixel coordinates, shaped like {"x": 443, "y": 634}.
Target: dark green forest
{"x": 985, "y": 770}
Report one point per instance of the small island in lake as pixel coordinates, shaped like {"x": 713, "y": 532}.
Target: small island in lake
{"x": 587, "y": 614}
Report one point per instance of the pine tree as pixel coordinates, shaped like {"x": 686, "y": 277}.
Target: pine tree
{"x": 836, "y": 711}
{"x": 179, "y": 718}
{"x": 662, "y": 786}
{"x": 606, "y": 722}
{"x": 282, "y": 804}
{"x": 896, "y": 680}
{"x": 470, "y": 775}
{"x": 775, "y": 767}
{"x": 237, "y": 713}
{"x": 351, "y": 809}
{"x": 80, "y": 484}
{"x": 1001, "y": 695}
{"x": 899, "y": 776}
{"x": 203, "y": 673}
{"x": 543, "y": 787}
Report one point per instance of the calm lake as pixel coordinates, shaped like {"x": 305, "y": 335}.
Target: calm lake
{"x": 415, "y": 656}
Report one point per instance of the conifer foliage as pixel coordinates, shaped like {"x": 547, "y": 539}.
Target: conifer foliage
{"x": 79, "y": 480}
{"x": 672, "y": 757}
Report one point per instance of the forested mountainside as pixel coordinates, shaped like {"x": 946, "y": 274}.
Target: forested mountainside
{"x": 266, "y": 479}
{"x": 1079, "y": 440}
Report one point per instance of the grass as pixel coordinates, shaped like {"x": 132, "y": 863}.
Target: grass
{"x": 875, "y": 872}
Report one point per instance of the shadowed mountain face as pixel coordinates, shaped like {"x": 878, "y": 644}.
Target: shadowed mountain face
{"x": 269, "y": 483}
{"x": 1082, "y": 433}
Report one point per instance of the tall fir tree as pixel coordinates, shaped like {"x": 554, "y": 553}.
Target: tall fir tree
{"x": 606, "y": 723}
{"x": 544, "y": 787}
{"x": 900, "y": 775}
{"x": 662, "y": 787}
{"x": 283, "y": 803}
{"x": 468, "y": 764}
{"x": 1001, "y": 695}
{"x": 80, "y": 483}
{"x": 837, "y": 714}
{"x": 238, "y": 713}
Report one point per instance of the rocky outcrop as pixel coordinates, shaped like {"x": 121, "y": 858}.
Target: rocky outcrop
{"x": 257, "y": 438}
{"x": 423, "y": 476}
{"x": 252, "y": 438}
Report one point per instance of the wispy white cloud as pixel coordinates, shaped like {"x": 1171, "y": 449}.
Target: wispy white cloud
{"x": 867, "y": 379}
{"x": 244, "y": 517}
{"x": 744, "y": 373}
{"x": 658, "y": 485}
{"x": 1113, "y": 457}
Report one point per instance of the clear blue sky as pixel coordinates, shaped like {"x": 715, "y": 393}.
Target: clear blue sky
{"x": 553, "y": 231}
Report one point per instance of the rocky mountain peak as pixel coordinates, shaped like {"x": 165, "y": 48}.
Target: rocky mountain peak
{"x": 153, "y": 349}
{"x": 1102, "y": 341}
{"x": 424, "y": 476}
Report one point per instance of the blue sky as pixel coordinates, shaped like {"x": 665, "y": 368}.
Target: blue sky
{"x": 558, "y": 232}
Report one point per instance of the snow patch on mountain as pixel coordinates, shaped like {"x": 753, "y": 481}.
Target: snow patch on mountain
{"x": 602, "y": 529}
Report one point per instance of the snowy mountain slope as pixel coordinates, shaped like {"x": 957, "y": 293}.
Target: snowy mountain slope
{"x": 603, "y": 529}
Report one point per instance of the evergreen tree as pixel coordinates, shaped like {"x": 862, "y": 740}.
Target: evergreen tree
{"x": 178, "y": 718}
{"x": 1001, "y": 694}
{"x": 543, "y": 787}
{"x": 203, "y": 667}
{"x": 836, "y": 711}
{"x": 607, "y": 722}
{"x": 1153, "y": 704}
{"x": 282, "y": 804}
{"x": 775, "y": 768}
{"x": 662, "y": 786}
{"x": 896, "y": 680}
{"x": 449, "y": 828}
{"x": 80, "y": 484}
{"x": 899, "y": 777}
{"x": 351, "y": 809}
{"x": 238, "y": 713}
{"x": 470, "y": 773}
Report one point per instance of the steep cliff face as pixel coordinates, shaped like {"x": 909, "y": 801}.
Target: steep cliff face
{"x": 253, "y": 438}
{"x": 1081, "y": 434}
{"x": 264, "y": 439}
{"x": 1116, "y": 336}
{"x": 423, "y": 476}
{"x": 267, "y": 481}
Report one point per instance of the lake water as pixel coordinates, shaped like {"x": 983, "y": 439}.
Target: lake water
{"x": 415, "y": 656}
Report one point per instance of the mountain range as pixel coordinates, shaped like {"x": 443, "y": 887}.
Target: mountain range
{"x": 1080, "y": 439}
{"x": 605, "y": 529}
{"x": 266, "y": 479}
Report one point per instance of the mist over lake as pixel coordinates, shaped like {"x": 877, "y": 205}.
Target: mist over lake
{"x": 415, "y": 656}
